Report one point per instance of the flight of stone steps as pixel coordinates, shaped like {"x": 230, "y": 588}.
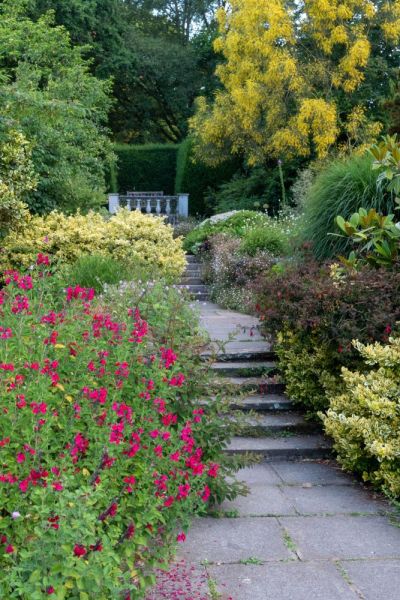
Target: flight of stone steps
{"x": 271, "y": 426}
{"x": 246, "y": 371}
{"x": 192, "y": 279}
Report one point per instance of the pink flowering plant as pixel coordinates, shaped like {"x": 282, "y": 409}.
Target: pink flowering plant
{"x": 104, "y": 452}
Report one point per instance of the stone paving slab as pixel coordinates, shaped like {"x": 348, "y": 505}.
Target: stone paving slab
{"x": 262, "y": 474}
{"x": 232, "y": 540}
{"x": 288, "y": 581}
{"x": 333, "y": 499}
{"x": 181, "y": 582}
{"x": 376, "y": 579}
{"x": 298, "y": 473}
{"x": 343, "y": 537}
{"x": 262, "y": 500}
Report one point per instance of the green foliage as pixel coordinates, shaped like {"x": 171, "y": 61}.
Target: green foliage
{"x": 386, "y": 156}
{"x": 144, "y": 47}
{"x": 235, "y": 224}
{"x": 96, "y": 271}
{"x": 196, "y": 178}
{"x": 130, "y": 237}
{"x": 229, "y": 272}
{"x": 309, "y": 368}
{"x": 315, "y": 313}
{"x": 110, "y": 452}
{"x": 375, "y": 237}
{"x": 60, "y": 108}
{"x": 340, "y": 189}
{"x": 148, "y": 167}
{"x": 364, "y": 420}
{"x": 264, "y": 238}
{"x": 17, "y": 178}
{"x": 259, "y": 188}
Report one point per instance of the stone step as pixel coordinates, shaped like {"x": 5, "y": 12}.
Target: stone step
{"x": 192, "y": 259}
{"x": 262, "y": 403}
{"x": 272, "y": 424}
{"x": 201, "y": 297}
{"x": 258, "y": 385}
{"x": 193, "y": 268}
{"x": 244, "y": 354}
{"x": 245, "y": 368}
{"x": 194, "y": 289}
{"x": 289, "y": 447}
{"x": 188, "y": 280}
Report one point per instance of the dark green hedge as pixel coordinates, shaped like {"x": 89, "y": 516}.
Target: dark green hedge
{"x": 196, "y": 178}
{"x": 145, "y": 167}
{"x": 169, "y": 168}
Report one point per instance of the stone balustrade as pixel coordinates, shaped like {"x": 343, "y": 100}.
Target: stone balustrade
{"x": 155, "y": 203}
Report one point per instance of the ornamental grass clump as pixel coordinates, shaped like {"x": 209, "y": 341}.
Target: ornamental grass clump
{"x": 104, "y": 454}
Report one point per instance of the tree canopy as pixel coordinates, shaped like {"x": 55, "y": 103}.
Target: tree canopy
{"x": 298, "y": 78}
{"x": 50, "y": 96}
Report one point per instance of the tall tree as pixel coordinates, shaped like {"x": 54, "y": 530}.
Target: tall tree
{"x": 158, "y": 53}
{"x": 50, "y": 96}
{"x": 298, "y": 78}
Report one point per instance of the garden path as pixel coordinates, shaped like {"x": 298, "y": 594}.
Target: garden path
{"x": 306, "y": 530}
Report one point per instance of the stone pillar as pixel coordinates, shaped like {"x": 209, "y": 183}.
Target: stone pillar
{"x": 113, "y": 203}
{"x": 183, "y": 205}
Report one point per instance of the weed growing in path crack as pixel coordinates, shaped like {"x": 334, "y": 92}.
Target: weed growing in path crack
{"x": 252, "y": 560}
{"x": 289, "y": 543}
{"x": 212, "y": 588}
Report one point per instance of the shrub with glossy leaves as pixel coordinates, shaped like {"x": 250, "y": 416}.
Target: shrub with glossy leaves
{"x": 104, "y": 453}
{"x": 364, "y": 420}
{"x": 129, "y": 236}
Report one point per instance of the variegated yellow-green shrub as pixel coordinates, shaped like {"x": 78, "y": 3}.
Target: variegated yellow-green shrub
{"x": 132, "y": 237}
{"x": 364, "y": 421}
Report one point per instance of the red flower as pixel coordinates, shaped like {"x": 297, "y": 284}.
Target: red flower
{"x": 79, "y": 550}
{"x": 181, "y": 537}
{"x": 50, "y": 590}
{"x": 9, "y": 549}
{"x": 130, "y": 532}
{"x": 213, "y": 470}
{"x": 21, "y": 457}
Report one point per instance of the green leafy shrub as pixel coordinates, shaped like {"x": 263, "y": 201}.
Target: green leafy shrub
{"x": 105, "y": 451}
{"x": 145, "y": 167}
{"x": 235, "y": 223}
{"x": 17, "y": 178}
{"x": 264, "y": 238}
{"x": 341, "y": 189}
{"x": 129, "y": 236}
{"x": 375, "y": 238}
{"x": 315, "y": 314}
{"x": 259, "y": 188}
{"x": 364, "y": 420}
{"x": 96, "y": 271}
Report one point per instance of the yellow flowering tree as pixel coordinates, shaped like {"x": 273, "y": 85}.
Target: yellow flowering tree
{"x": 291, "y": 76}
